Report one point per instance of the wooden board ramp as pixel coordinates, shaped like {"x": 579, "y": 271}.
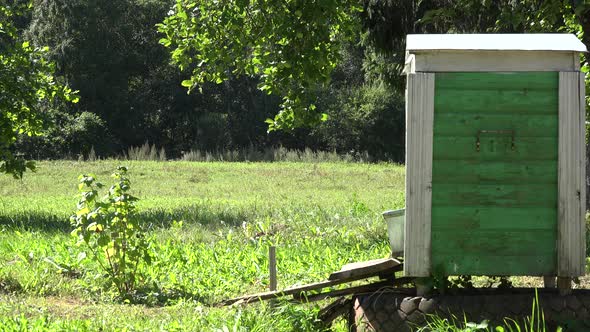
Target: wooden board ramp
{"x": 367, "y": 269}
{"x": 384, "y": 268}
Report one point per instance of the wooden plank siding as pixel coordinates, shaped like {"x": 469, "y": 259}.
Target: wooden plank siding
{"x": 494, "y": 210}
{"x": 419, "y": 127}
{"x": 571, "y": 176}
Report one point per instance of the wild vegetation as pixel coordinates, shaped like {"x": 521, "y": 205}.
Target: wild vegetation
{"x": 210, "y": 226}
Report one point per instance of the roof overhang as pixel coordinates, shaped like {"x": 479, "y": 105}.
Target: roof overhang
{"x": 417, "y": 43}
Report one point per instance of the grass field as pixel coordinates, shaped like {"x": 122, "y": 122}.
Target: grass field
{"x": 213, "y": 224}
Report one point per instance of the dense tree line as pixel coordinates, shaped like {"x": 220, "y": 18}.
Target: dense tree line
{"x": 130, "y": 92}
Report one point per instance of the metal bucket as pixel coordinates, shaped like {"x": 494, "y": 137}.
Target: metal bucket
{"x": 395, "y": 220}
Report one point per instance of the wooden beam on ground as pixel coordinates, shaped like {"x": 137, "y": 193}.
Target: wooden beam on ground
{"x": 280, "y": 293}
{"x": 353, "y": 290}
{"x": 314, "y": 286}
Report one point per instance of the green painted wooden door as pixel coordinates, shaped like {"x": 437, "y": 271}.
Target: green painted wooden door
{"x": 494, "y": 204}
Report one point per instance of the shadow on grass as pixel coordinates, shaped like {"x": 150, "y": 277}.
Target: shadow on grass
{"x": 155, "y": 297}
{"x": 155, "y": 218}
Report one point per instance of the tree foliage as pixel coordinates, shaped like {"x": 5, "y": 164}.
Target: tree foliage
{"x": 291, "y": 45}
{"x": 340, "y": 58}
{"x": 27, "y": 83}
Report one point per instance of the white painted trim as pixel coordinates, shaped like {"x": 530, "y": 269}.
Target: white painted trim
{"x": 494, "y": 61}
{"x": 582, "y": 170}
{"x": 571, "y": 181}
{"x": 419, "y": 131}
{"x": 496, "y": 42}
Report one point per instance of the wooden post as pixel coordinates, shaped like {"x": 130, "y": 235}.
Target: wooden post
{"x": 549, "y": 281}
{"x": 272, "y": 267}
{"x": 564, "y": 284}
{"x": 272, "y": 272}
{"x": 423, "y": 286}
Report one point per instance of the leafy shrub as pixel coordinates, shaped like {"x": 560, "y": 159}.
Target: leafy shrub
{"x": 88, "y": 132}
{"x": 78, "y": 135}
{"x": 368, "y": 119}
{"x": 111, "y": 230}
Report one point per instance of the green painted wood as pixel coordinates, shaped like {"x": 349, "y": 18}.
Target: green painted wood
{"x": 494, "y": 172}
{"x": 499, "y": 81}
{"x": 466, "y": 124}
{"x": 503, "y": 195}
{"x": 490, "y": 264}
{"x": 495, "y": 101}
{"x": 494, "y": 211}
{"x": 494, "y": 148}
{"x": 473, "y": 218}
{"x": 500, "y": 242}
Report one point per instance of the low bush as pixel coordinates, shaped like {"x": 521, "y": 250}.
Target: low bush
{"x": 111, "y": 230}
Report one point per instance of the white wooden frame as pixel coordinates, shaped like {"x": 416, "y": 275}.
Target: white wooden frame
{"x": 419, "y": 130}
{"x": 571, "y": 231}
{"x": 491, "y": 61}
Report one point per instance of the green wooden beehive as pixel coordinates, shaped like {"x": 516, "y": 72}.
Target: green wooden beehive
{"x": 495, "y": 155}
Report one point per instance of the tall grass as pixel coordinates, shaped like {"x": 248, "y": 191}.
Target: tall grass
{"x": 145, "y": 152}
{"x": 275, "y": 154}
{"x": 150, "y": 152}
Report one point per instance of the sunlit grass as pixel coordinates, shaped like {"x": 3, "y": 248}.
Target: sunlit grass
{"x": 212, "y": 225}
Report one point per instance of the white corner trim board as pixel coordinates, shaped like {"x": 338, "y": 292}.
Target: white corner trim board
{"x": 571, "y": 244}
{"x": 419, "y": 131}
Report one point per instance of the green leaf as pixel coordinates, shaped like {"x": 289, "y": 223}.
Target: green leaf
{"x": 165, "y": 41}
{"x": 82, "y": 211}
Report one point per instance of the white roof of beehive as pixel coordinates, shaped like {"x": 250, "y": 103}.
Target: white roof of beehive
{"x": 496, "y": 42}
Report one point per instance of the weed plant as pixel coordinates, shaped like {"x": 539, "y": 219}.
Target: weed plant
{"x": 112, "y": 231}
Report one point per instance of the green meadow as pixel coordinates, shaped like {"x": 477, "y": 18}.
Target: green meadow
{"x": 211, "y": 224}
